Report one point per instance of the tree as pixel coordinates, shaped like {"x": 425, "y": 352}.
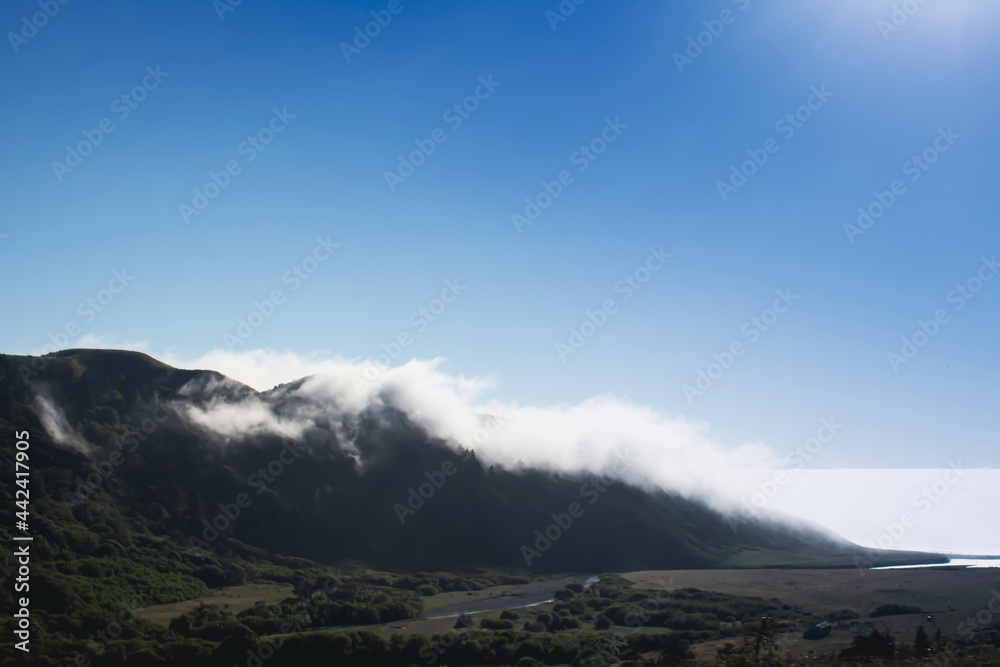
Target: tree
{"x": 921, "y": 645}
{"x": 876, "y": 645}
{"x": 758, "y": 648}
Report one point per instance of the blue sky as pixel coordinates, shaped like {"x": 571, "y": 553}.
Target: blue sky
{"x": 892, "y": 94}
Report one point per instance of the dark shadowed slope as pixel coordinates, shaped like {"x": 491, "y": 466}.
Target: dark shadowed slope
{"x": 339, "y": 490}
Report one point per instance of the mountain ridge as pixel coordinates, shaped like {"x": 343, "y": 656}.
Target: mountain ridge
{"x": 375, "y": 486}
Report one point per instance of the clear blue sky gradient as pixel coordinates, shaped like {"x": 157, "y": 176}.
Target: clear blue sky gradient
{"x": 324, "y": 174}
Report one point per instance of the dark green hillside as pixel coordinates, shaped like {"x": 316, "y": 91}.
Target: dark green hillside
{"x": 121, "y": 517}
{"x": 323, "y": 505}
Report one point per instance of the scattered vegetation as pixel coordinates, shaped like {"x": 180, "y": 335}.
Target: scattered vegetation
{"x": 894, "y": 610}
{"x": 124, "y": 543}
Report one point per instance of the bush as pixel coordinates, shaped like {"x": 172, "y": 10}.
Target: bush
{"x": 875, "y": 646}
{"x": 894, "y": 610}
{"x": 213, "y": 575}
{"x": 509, "y": 615}
{"x": 564, "y": 594}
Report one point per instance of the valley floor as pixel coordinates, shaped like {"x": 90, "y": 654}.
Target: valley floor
{"x": 949, "y": 596}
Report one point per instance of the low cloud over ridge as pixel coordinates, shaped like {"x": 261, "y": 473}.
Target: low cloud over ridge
{"x": 669, "y": 451}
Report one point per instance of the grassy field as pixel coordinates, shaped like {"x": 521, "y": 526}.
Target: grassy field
{"x": 950, "y": 595}
{"x": 428, "y": 626}
{"x": 238, "y": 598}
{"x": 959, "y": 592}
{"x": 233, "y": 598}
{"x": 804, "y": 558}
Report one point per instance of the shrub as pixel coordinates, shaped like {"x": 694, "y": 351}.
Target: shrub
{"x": 894, "y": 610}
{"x": 212, "y": 575}
{"x": 564, "y": 594}
{"x": 496, "y": 624}
{"x": 534, "y": 626}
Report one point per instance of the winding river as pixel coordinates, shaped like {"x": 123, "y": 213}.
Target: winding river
{"x": 542, "y": 594}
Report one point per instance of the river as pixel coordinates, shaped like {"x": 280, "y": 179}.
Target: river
{"x": 542, "y": 594}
